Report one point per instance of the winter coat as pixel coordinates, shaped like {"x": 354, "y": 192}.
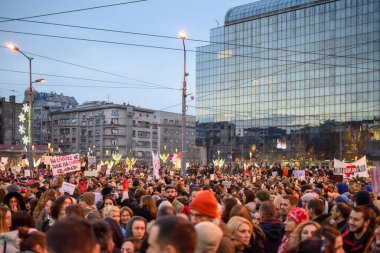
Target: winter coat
{"x": 274, "y": 231}
{"x": 10, "y": 242}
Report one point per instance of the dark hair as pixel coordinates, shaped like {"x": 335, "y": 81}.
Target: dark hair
{"x": 344, "y": 209}
{"x": 57, "y": 205}
{"x": 316, "y": 244}
{"x": 74, "y": 210}
{"x": 176, "y": 232}
{"x": 137, "y": 243}
{"x": 229, "y": 203}
{"x": 71, "y": 234}
{"x": 103, "y": 233}
{"x": 166, "y": 211}
{"x": 268, "y": 209}
{"x": 22, "y": 219}
{"x": 29, "y": 241}
{"x": 292, "y": 199}
{"x": 129, "y": 226}
{"x": 117, "y": 235}
{"x": 316, "y": 205}
{"x": 249, "y": 196}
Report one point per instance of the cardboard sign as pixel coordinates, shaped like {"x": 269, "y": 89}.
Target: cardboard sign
{"x": 65, "y": 164}
{"x": 299, "y": 174}
{"x": 92, "y": 173}
{"x": 46, "y": 159}
{"x": 108, "y": 172}
{"x": 274, "y": 173}
{"x": 69, "y": 188}
{"x": 4, "y": 160}
{"x": 375, "y": 178}
{"x": 212, "y": 177}
{"x": 27, "y": 173}
{"x": 91, "y": 161}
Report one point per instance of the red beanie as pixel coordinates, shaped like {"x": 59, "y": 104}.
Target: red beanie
{"x": 205, "y": 203}
{"x": 298, "y": 215}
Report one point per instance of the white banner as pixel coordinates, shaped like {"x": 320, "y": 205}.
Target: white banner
{"x": 65, "y": 164}
{"x": 357, "y": 168}
{"x": 299, "y": 174}
{"x": 4, "y": 160}
{"x": 281, "y": 144}
{"x": 91, "y": 173}
{"x": 69, "y": 188}
{"x": 156, "y": 165}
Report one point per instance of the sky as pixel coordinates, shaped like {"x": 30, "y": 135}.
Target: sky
{"x": 149, "y": 77}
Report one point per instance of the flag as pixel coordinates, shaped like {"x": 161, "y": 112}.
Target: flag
{"x": 156, "y": 165}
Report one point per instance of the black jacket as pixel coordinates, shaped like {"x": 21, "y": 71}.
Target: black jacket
{"x": 274, "y": 231}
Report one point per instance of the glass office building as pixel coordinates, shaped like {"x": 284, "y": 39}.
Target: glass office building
{"x": 293, "y": 79}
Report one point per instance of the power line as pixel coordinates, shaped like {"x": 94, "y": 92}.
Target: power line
{"x": 189, "y": 39}
{"x": 80, "y": 78}
{"x": 89, "y": 86}
{"x": 176, "y": 49}
{"x": 76, "y": 10}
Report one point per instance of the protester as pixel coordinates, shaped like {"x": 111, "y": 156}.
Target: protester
{"x": 172, "y": 234}
{"x": 131, "y": 245}
{"x": 5, "y": 219}
{"x": 272, "y": 227}
{"x": 340, "y": 214}
{"x": 136, "y": 227}
{"x": 303, "y": 231}
{"x": 171, "y": 195}
{"x": 288, "y": 203}
{"x": 360, "y": 235}
{"x": 72, "y": 235}
{"x": 209, "y": 236}
{"x": 32, "y": 241}
{"x": 241, "y": 230}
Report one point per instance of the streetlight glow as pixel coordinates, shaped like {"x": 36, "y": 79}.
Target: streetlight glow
{"x": 12, "y": 46}
{"x": 182, "y": 35}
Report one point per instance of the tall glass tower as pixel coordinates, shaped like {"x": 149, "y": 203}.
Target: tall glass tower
{"x": 292, "y": 79}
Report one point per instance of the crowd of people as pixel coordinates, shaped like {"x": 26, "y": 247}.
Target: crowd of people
{"x": 223, "y": 210}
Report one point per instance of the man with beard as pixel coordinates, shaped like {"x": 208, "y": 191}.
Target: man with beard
{"x": 171, "y": 195}
{"x": 358, "y": 238}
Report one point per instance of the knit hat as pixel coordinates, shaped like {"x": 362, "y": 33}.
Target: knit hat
{"x": 342, "y": 188}
{"x": 363, "y": 198}
{"x": 309, "y": 196}
{"x": 368, "y": 188}
{"x": 88, "y": 198}
{"x": 209, "y": 236}
{"x": 205, "y": 203}
{"x": 298, "y": 215}
{"x": 344, "y": 198}
{"x": 263, "y": 195}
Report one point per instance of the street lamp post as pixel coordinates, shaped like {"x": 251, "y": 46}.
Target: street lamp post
{"x": 30, "y": 158}
{"x": 183, "y": 128}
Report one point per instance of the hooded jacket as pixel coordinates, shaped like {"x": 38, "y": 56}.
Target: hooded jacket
{"x": 274, "y": 231}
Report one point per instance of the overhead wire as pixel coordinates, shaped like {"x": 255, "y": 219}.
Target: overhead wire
{"x": 189, "y": 39}
{"x": 173, "y": 49}
{"x": 75, "y": 10}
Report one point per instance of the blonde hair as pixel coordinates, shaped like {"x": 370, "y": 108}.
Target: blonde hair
{"x": 3, "y": 225}
{"x": 295, "y": 237}
{"x": 107, "y": 211}
{"x": 236, "y": 221}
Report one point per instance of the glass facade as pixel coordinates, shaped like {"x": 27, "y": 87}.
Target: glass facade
{"x": 304, "y": 73}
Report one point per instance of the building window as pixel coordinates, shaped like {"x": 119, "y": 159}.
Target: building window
{"x": 114, "y": 131}
{"x": 97, "y": 132}
{"x": 97, "y": 142}
{"x": 115, "y": 112}
{"x": 115, "y": 121}
{"x": 166, "y": 121}
{"x": 154, "y": 144}
{"x": 114, "y": 142}
{"x": 142, "y": 134}
{"x": 97, "y": 122}
{"x": 73, "y": 140}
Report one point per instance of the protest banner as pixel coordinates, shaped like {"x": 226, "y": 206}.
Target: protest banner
{"x": 91, "y": 160}
{"x": 375, "y": 178}
{"x": 69, "y": 188}
{"x": 212, "y": 177}
{"x": 65, "y": 164}
{"x": 91, "y": 173}
{"x": 299, "y": 174}
{"x": 357, "y": 168}
{"x": 156, "y": 165}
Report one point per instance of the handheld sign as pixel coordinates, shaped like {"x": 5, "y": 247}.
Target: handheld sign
{"x": 65, "y": 164}
{"x": 67, "y": 187}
